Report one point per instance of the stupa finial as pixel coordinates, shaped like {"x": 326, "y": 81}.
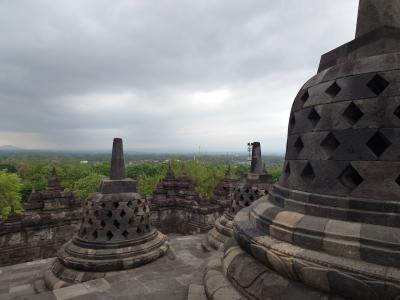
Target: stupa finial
{"x": 228, "y": 173}
{"x": 117, "y": 161}
{"x": 54, "y": 181}
{"x": 373, "y": 14}
{"x": 256, "y": 161}
{"x": 170, "y": 173}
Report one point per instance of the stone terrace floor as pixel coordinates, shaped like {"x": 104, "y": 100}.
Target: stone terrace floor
{"x": 165, "y": 279}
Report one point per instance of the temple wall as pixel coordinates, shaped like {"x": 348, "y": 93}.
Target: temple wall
{"x": 19, "y": 243}
{"x": 184, "y": 220}
{"x": 50, "y": 220}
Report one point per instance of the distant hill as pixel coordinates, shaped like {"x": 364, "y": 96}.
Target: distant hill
{"x": 9, "y": 147}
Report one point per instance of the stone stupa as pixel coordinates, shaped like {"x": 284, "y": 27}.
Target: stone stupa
{"x": 331, "y": 227}
{"x": 251, "y": 187}
{"x": 115, "y": 232}
{"x": 225, "y": 189}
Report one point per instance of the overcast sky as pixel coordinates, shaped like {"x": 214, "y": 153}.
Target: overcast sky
{"x": 163, "y": 75}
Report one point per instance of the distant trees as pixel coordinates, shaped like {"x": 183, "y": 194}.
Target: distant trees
{"x": 10, "y": 197}
{"x": 88, "y": 184}
{"x": 21, "y": 174}
{"x": 204, "y": 174}
{"x": 147, "y": 175}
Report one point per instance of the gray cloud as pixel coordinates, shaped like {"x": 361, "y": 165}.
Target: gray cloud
{"x": 162, "y": 74}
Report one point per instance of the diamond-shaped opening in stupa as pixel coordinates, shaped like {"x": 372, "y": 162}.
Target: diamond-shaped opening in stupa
{"x": 299, "y": 145}
{"x": 397, "y": 112}
{"x": 333, "y": 90}
{"x": 352, "y": 113}
{"x": 308, "y": 172}
{"x": 378, "y": 84}
{"x": 378, "y": 143}
{"x": 350, "y": 178}
{"x": 109, "y": 235}
{"x": 330, "y": 143}
{"x": 116, "y": 224}
{"x": 305, "y": 96}
{"x": 292, "y": 121}
{"x": 314, "y": 117}
{"x": 398, "y": 180}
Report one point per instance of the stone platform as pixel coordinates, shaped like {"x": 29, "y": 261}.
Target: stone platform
{"x": 167, "y": 278}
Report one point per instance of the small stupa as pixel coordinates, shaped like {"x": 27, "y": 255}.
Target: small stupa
{"x": 224, "y": 191}
{"x": 54, "y": 182}
{"x": 251, "y": 187}
{"x": 254, "y": 184}
{"x": 115, "y": 232}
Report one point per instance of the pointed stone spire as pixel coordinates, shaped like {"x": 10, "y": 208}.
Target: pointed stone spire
{"x": 54, "y": 182}
{"x": 183, "y": 175}
{"x": 228, "y": 173}
{"x": 373, "y": 14}
{"x": 256, "y": 161}
{"x": 118, "y": 182}
{"x": 170, "y": 173}
{"x": 117, "y": 161}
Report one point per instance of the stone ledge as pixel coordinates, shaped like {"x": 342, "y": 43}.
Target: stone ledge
{"x": 342, "y": 276}
{"x": 255, "y": 281}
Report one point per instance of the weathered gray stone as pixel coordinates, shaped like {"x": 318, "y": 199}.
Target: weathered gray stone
{"x": 196, "y": 292}
{"x": 117, "y": 161}
{"x": 373, "y": 14}
{"x": 333, "y": 220}
{"x": 50, "y": 219}
{"x": 177, "y": 208}
{"x": 115, "y": 233}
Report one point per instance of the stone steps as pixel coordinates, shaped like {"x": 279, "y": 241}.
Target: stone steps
{"x": 39, "y": 286}
{"x": 196, "y": 292}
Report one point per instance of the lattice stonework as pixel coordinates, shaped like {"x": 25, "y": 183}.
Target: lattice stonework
{"x": 320, "y": 133}
{"x": 331, "y": 224}
{"x": 115, "y": 220}
{"x": 246, "y": 194}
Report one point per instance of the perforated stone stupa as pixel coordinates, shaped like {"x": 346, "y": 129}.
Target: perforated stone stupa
{"x": 115, "y": 232}
{"x": 251, "y": 187}
{"x": 331, "y": 226}
{"x": 225, "y": 190}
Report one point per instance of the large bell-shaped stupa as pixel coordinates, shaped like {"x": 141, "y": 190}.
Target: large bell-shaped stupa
{"x": 331, "y": 225}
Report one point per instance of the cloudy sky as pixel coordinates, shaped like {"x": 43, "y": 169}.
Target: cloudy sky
{"x": 164, "y": 75}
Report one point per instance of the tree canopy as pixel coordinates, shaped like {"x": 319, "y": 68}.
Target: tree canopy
{"x": 10, "y": 197}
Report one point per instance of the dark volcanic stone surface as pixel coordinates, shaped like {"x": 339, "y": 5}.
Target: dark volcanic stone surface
{"x": 162, "y": 279}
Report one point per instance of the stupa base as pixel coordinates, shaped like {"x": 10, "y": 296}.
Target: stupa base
{"x": 347, "y": 277}
{"x": 222, "y": 231}
{"x": 76, "y": 264}
{"x": 237, "y": 275}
